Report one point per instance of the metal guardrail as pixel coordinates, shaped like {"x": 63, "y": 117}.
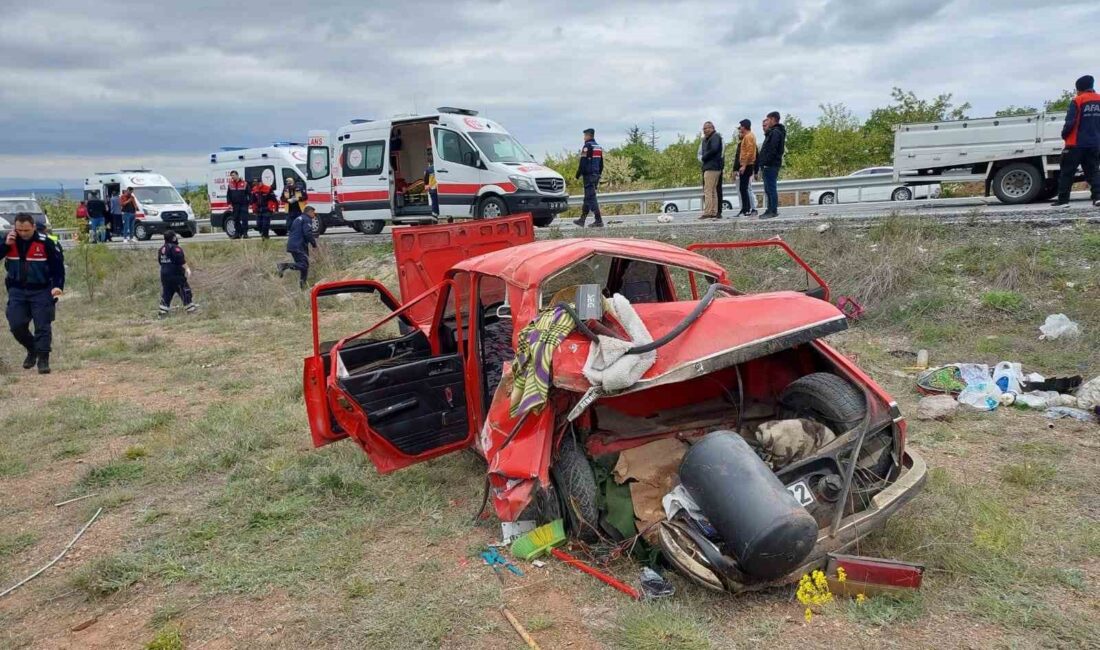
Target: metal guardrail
{"x": 795, "y": 185}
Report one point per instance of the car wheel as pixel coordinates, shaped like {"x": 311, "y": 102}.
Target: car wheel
{"x": 491, "y": 207}
{"x": 726, "y": 205}
{"x": 187, "y": 233}
{"x": 902, "y": 194}
{"x": 542, "y": 222}
{"x": 671, "y": 207}
{"x": 1018, "y": 183}
{"x": 576, "y": 487}
{"x": 142, "y": 232}
{"x": 825, "y": 398}
{"x": 827, "y": 198}
{"x": 319, "y": 226}
{"x": 372, "y": 227}
{"x": 230, "y": 227}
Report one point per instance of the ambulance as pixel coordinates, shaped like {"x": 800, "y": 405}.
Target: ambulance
{"x": 377, "y": 169}
{"x": 270, "y": 165}
{"x": 160, "y": 207}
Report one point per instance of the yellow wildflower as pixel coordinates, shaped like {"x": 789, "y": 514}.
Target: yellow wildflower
{"x": 860, "y": 599}
{"x": 809, "y": 615}
{"x": 841, "y": 575}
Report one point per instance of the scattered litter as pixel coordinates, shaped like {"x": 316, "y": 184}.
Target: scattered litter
{"x": 1059, "y": 326}
{"x": 922, "y": 359}
{"x": 538, "y": 564}
{"x": 654, "y": 585}
{"x": 664, "y": 218}
{"x": 947, "y": 379}
{"x": 1070, "y": 285}
{"x": 1056, "y": 384}
{"x": 1063, "y": 412}
{"x": 1088, "y": 395}
{"x": 1008, "y": 376}
{"x": 848, "y": 305}
{"x": 982, "y": 395}
{"x": 495, "y": 560}
{"x": 55, "y": 560}
{"x": 511, "y": 530}
{"x": 937, "y": 407}
{"x": 546, "y": 538}
{"x": 1041, "y": 399}
{"x": 86, "y": 496}
{"x": 823, "y": 227}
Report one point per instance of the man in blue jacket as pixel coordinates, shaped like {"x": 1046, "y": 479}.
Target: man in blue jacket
{"x": 35, "y": 280}
{"x": 1082, "y": 136}
{"x": 589, "y": 170}
{"x": 298, "y": 239}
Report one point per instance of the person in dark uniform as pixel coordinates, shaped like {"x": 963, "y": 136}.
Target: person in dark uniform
{"x": 590, "y": 169}
{"x": 298, "y": 239}
{"x": 35, "y": 280}
{"x": 98, "y": 215}
{"x": 237, "y": 195}
{"x": 295, "y": 199}
{"x": 174, "y": 273}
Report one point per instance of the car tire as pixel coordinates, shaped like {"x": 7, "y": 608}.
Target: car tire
{"x": 142, "y": 232}
{"x": 828, "y": 198}
{"x": 825, "y": 398}
{"x": 230, "y": 228}
{"x": 187, "y": 233}
{"x": 1018, "y": 183}
{"x": 726, "y": 205}
{"x": 319, "y": 226}
{"x": 575, "y": 484}
{"x": 371, "y": 227}
{"x": 542, "y": 222}
{"x": 491, "y": 207}
{"x": 671, "y": 208}
{"x": 902, "y": 194}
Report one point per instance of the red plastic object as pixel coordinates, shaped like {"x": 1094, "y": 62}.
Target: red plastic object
{"x": 596, "y": 573}
{"x": 850, "y": 307}
{"x": 889, "y": 573}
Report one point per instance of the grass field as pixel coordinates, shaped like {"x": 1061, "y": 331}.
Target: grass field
{"x": 223, "y": 528}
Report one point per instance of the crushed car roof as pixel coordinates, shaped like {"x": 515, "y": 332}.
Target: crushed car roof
{"x": 524, "y": 266}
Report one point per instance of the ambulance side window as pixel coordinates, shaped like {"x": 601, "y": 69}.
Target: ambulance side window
{"x": 263, "y": 173}
{"x": 452, "y": 147}
{"x": 364, "y": 158}
{"x": 290, "y": 173}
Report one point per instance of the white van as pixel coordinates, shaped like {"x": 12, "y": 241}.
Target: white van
{"x": 377, "y": 170}
{"x": 271, "y": 166}
{"x": 160, "y": 206}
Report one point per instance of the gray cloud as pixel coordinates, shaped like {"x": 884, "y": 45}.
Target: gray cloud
{"x": 171, "y": 81}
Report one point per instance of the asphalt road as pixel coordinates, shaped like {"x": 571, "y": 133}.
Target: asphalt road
{"x": 963, "y": 210}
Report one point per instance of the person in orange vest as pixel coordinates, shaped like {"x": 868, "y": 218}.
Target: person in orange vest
{"x": 1081, "y": 134}
{"x": 264, "y": 204}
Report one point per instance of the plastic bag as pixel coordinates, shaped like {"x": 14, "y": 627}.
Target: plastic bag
{"x": 1088, "y": 395}
{"x": 1008, "y": 376}
{"x": 984, "y": 396}
{"x": 1060, "y": 412}
{"x": 1059, "y": 326}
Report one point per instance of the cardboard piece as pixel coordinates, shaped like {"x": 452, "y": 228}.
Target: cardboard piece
{"x": 651, "y": 471}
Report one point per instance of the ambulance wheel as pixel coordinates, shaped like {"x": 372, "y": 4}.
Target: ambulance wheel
{"x": 142, "y": 232}
{"x": 371, "y": 227}
{"x": 319, "y": 226}
{"x": 230, "y": 227}
{"x": 542, "y": 222}
{"x": 491, "y": 207}
{"x": 279, "y": 232}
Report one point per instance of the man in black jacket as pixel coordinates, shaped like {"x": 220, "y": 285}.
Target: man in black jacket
{"x": 589, "y": 170}
{"x": 97, "y": 218}
{"x": 236, "y": 194}
{"x": 35, "y": 280}
{"x": 770, "y": 160}
{"x": 713, "y": 163}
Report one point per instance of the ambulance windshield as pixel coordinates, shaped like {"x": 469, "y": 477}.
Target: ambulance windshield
{"x": 157, "y": 195}
{"x": 501, "y": 148}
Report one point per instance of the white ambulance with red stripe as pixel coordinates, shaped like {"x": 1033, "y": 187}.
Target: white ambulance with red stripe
{"x": 160, "y": 207}
{"x": 377, "y": 168}
{"x": 270, "y": 165}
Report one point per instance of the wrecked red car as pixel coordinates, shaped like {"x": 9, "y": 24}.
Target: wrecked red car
{"x": 560, "y": 359}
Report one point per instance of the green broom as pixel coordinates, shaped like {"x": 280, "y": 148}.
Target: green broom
{"x": 543, "y": 540}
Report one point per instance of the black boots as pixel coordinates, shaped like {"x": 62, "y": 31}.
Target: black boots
{"x": 281, "y": 268}
{"x": 43, "y": 363}
{"x": 29, "y": 362}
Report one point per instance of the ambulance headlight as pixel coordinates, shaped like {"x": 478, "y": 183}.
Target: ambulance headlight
{"x": 522, "y": 182}
{"x": 152, "y": 212}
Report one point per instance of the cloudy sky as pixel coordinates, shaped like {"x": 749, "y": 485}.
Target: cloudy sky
{"x": 96, "y": 85}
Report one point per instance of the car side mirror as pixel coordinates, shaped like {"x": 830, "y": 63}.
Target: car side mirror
{"x": 504, "y": 312}
{"x": 187, "y": 201}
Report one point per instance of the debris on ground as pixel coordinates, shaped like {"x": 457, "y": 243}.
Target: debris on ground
{"x": 848, "y": 305}
{"x": 650, "y": 471}
{"x": 510, "y": 531}
{"x": 823, "y": 227}
{"x": 1059, "y": 326}
{"x": 1088, "y": 395}
{"x": 937, "y": 407}
{"x": 664, "y": 218}
{"x": 655, "y": 585}
{"x": 1064, "y": 412}
{"x": 852, "y": 575}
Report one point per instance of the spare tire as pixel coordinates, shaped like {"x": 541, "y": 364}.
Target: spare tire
{"x": 825, "y": 398}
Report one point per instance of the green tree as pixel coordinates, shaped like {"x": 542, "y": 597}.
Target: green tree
{"x": 1061, "y": 103}
{"x": 834, "y": 147}
{"x": 907, "y": 108}
{"x": 1009, "y": 111}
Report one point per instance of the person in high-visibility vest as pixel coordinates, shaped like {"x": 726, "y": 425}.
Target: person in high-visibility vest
{"x": 430, "y": 183}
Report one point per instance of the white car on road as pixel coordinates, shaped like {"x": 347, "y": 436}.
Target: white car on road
{"x": 696, "y": 205}
{"x": 898, "y": 192}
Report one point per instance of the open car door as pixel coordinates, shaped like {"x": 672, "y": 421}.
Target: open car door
{"x": 763, "y": 265}
{"x": 323, "y": 428}
{"x": 402, "y": 396}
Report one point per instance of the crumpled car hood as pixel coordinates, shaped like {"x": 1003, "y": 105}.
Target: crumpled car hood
{"x": 732, "y": 330}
